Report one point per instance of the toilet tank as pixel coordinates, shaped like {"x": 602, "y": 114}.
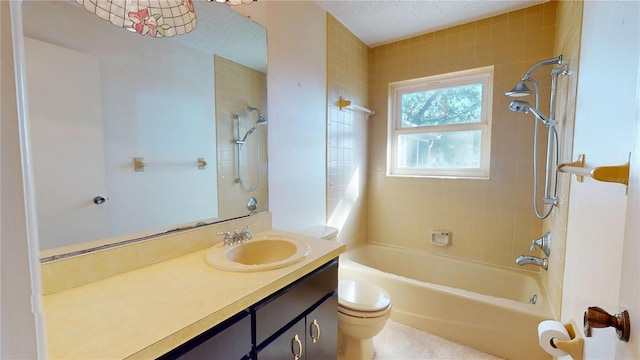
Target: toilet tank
{"x": 322, "y": 232}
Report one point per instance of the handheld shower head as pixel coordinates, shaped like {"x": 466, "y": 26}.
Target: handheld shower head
{"x": 246, "y": 135}
{"x": 519, "y": 106}
{"x": 249, "y": 133}
{"x": 524, "y": 107}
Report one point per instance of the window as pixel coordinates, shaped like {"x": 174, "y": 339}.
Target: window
{"x": 440, "y": 126}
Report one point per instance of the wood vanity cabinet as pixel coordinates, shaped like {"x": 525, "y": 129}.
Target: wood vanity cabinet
{"x": 228, "y": 340}
{"x": 312, "y": 337}
{"x": 297, "y": 322}
{"x": 286, "y": 323}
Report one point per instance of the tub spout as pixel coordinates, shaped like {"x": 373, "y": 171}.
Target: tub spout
{"x": 526, "y": 259}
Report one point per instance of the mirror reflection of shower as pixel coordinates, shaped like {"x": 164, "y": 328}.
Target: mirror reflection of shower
{"x": 551, "y": 173}
{"x": 241, "y": 141}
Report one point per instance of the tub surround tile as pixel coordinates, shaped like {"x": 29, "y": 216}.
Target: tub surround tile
{"x": 496, "y": 41}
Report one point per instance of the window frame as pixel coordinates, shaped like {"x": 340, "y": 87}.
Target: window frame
{"x": 483, "y": 75}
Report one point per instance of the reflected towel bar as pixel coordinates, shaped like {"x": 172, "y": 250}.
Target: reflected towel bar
{"x": 343, "y": 103}
{"x": 140, "y": 165}
{"x": 616, "y": 174}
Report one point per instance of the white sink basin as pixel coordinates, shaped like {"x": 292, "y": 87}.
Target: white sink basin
{"x": 258, "y": 254}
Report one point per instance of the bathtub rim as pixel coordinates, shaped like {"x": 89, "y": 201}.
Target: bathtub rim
{"x": 541, "y": 308}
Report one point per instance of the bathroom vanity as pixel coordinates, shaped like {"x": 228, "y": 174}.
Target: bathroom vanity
{"x": 300, "y": 319}
{"x": 184, "y": 308}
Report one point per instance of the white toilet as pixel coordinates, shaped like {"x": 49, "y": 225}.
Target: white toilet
{"x": 363, "y": 309}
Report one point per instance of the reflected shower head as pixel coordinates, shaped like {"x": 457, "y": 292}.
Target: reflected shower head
{"x": 247, "y": 135}
{"x": 261, "y": 119}
{"x": 524, "y": 107}
{"x": 520, "y": 89}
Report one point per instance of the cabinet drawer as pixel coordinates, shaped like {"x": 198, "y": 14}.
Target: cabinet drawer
{"x": 229, "y": 340}
{"x": 281, "y": 308}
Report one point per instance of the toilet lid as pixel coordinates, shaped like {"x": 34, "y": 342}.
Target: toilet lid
{"x": 361, "y": 296}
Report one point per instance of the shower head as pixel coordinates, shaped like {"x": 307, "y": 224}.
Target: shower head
{"x": 524, "y": 107}
{"x": 520, "y": 89}
{"x": 251, "y": 131}
{"x": 261, "y": 119}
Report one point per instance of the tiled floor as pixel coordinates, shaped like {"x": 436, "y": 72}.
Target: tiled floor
{"x": 401, "y": 342}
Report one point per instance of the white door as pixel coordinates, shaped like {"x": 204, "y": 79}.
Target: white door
{"x": 630, "y": 282}
{"x": 64, "y": 102}
{"x": 601, "y": 267}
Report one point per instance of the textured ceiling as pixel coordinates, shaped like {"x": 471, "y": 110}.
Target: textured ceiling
{"x": 225, "y": 32}
{"x": 377, "y": 22}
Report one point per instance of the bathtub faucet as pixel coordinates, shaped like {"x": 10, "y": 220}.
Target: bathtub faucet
{"x": 527, "y": 259}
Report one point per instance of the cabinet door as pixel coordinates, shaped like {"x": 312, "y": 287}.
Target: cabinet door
{"x": 230, "y": 340}
{"x": 289, "y": 345}
{"x": 322, "y": 331}
{"x": 275, "y": 312}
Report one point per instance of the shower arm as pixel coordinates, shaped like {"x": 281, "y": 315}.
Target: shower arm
{"x": 555, "y": 60}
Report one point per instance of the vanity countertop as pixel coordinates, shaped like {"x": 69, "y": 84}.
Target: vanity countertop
{"x": 146, "y": 312}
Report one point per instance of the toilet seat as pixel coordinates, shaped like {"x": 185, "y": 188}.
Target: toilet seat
{"x": 363, "y": 314}
{"x": 361, "y": 299}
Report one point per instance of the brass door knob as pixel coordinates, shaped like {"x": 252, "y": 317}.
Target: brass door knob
{"x": 596, "y": 317}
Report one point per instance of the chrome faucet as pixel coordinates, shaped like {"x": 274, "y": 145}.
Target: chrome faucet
{"x": 228, "y": 239}
{"x": 242, "y": 236}
{"x": 238, "y": 237}
{"x": 544, "y": 243}
{"x": 534, "y": 260}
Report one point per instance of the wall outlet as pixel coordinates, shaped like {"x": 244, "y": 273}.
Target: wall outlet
{"x": 440, "y": 237}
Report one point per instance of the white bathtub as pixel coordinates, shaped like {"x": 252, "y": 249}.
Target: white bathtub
{"x": 483, "y": 306}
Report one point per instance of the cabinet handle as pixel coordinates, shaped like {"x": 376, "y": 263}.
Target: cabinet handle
{"x": 315, "y": 324}
{"x": 296, "y": 340}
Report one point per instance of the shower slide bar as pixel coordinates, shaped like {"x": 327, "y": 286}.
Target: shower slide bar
{"x": 343, "y": 103}
{"x": 616, "y": 174}
{"x": 139, "y": 164}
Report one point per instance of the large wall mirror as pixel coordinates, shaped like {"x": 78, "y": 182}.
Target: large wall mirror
{"x": 133, "y": 136}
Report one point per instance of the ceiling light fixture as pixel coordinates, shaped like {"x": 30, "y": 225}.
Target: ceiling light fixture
{"x": 235, "y": 2}
{"x": 155, "y": 18}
